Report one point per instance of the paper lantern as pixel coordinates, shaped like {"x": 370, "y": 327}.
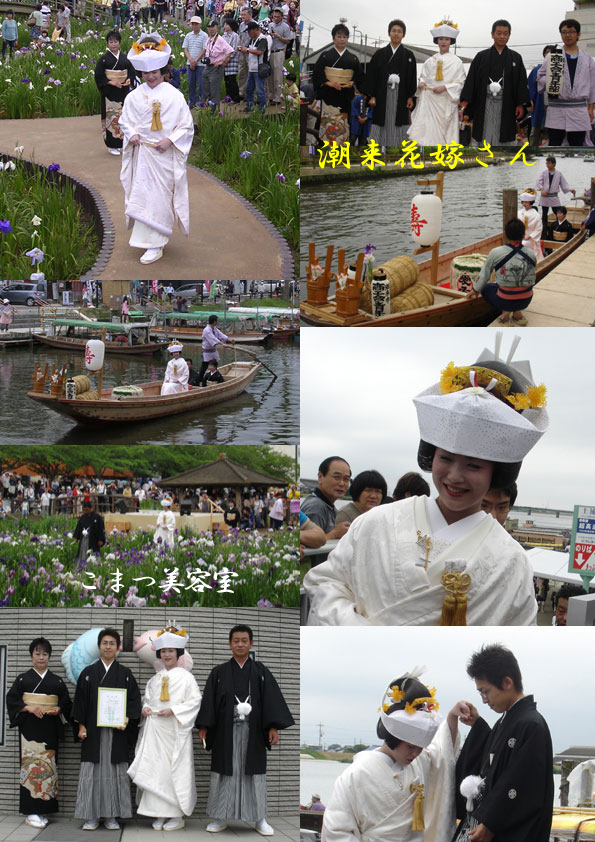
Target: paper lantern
{"x": 426, "y": 219}
{"x": 94, "y": 353}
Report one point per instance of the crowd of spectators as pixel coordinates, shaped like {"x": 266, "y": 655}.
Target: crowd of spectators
{"x": 259, "y": 509}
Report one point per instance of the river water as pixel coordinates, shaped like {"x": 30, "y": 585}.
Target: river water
{"x": 319, "y": 776}
{"x": 351, "y": 214}
{"x": 267, "y": 412}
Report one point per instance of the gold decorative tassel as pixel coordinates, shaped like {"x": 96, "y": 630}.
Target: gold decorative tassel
{"x": 418, "y": 807}
{"x": 164, "y": 697}
{"x": 454, "y": 607}
{"x": 526, "y": 219}
{"x": 439, "y": 74}
{"x": 175, "y": 370}
{"x": 156, "y": 122}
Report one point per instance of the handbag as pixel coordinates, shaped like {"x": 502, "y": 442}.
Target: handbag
{"x": 31, "y": 21}
{"x": 264, "y": 68}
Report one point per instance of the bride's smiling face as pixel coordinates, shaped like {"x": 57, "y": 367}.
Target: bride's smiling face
{"x": 461, "y": 482}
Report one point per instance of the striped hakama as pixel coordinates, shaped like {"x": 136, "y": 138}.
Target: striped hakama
{"x": 104, "y": 787}
{"x": 389, "y": 134}
{"x": 238, "y": 796}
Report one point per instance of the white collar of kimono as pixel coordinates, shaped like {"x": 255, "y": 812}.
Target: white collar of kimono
{"x": 241, "y": 666}
{"x": 41, "y": 674}
{"x": 344, "y": 50}
{"x": 445, "y": 531}
{"x": 115, "y": 55}
{"x": 107, "y": 666}
{"x": 394, "y": 49}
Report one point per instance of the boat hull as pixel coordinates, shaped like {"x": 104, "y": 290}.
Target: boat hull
{"x": 190, "y": 335}
{"x": 67, "y": 344}
{"x": 451, "y": 308}
{"x": 108, "y": 410}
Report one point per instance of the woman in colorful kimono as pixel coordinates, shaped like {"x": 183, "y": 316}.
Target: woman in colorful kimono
{"x": 114, "y": 76}
{"x": 402, "y": 791}
{"x": 38, "y": 704}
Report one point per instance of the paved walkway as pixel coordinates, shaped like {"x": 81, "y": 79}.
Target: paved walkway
{"x": 229, "y": 238}
{"x": 14, "y": 829}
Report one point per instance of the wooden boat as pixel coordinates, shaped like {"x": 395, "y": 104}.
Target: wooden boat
{"x": 109, "y": 410}
{"x": 127, "y": 339}
{"x": 573, "y": 823}
{"x": 239, "y": 328}
{"x": 451, "y": 308}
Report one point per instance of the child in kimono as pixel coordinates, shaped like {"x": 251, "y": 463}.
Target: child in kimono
{"x": 443, "y": 561}
{"x": 404, "y": 790}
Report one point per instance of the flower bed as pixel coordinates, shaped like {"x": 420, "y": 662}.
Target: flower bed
{"x": 41, "y": 218}
{"x": 37, "y": 568}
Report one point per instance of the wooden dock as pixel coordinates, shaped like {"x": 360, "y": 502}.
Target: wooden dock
{"x": 566, "y": 296}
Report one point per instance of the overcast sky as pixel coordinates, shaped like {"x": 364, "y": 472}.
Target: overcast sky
{"x": 344, "y": 672}
{"x": 357, "y": 386}
{"x": 534, "y": 23}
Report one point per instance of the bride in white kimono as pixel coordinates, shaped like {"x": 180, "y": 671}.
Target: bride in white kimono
{"x": 531, "y": 217}
{"x": 404, "y": 790}
{"x": 444, "y": 561}
{"x": 158, "y": 131}
{"x": 176, "y": 373}
{"x": 435, "y": 118}
{"x": 163, "y": 767}
{"x": 166, "y": 524}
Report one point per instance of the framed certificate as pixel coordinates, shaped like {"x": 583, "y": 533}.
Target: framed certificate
{"x": 111, "y": 707}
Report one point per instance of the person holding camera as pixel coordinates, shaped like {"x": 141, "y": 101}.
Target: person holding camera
{"x": 217, "y": 55}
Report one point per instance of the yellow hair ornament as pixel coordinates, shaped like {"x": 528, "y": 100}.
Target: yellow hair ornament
{"x": 396, "y": 694}
{"x": 534, "y": 398}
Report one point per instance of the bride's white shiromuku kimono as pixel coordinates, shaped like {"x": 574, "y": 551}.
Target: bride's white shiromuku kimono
{"x": 155, "y": 183}
{"x": 533, "y": 230}
{"x": 176, "y": 377}
{"x": 166, "y": 525}
{"x": 376, "y": 576}
{"x": 163, "y": 766}
{"x": 435, "y": 118}
{"x": 372, "y": 800}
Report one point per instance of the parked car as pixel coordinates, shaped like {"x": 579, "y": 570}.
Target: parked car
{"x": 24, "y": 293}
{"x": 187, "y": 291}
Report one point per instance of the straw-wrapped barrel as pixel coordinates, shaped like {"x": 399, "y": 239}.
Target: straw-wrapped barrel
{"x": 82, "y": 383}
{"x": 401, "y": 273}
{"x": 418, "y": 295}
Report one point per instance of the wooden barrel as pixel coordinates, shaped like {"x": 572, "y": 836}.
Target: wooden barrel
{"x": 401, "y": 272}
{"x": 82, "y": 383}
{"x": 418, "y": 295}
{"x": 464, "y": 269}
{"x": 88, "y": 396}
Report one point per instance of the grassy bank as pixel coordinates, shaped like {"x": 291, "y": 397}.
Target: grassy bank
{"x": 35, "y": 212}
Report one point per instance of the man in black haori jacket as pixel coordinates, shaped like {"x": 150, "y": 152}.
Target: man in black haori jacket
{"x": 513, "y": 759}
{"x": 241, "y": 713}
{"x": 495, "y": 93}
{"x": 104, "y": 786}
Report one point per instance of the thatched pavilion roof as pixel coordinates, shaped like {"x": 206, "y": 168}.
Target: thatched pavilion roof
{"x": 222, "y": 473}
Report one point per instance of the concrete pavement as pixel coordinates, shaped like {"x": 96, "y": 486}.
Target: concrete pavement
{"x": 14, "y": 829}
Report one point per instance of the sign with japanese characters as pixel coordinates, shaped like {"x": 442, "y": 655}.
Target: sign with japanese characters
{"x": 582, "y": 545}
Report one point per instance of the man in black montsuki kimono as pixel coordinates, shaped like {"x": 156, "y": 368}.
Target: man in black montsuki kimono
{"x": 514, "y": 758}
{"x": 391, "y": 69}
{"x": 89, "y": 531}
{"x": 241, "y": 713}
{"x": 333, "y": 93}
{"x": 495, "y": 112}
{"x": 38, "y": 703}
{"x": 104, "y": 786}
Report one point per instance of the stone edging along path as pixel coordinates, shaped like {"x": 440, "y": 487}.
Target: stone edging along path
{"x": 229, "y": 238}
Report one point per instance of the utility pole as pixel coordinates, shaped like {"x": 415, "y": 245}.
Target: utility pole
{"x": 320, "y": 733}
{"x": 310, "y": 28}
